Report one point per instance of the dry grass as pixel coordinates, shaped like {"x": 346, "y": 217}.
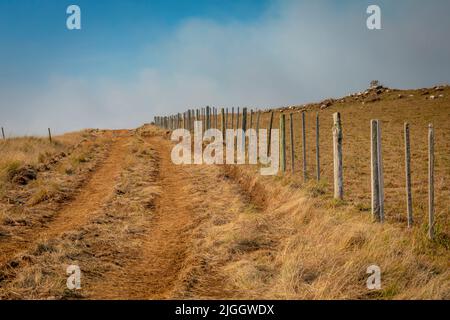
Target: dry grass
{"x": 57, "y": 174}
{"x": 106, "y": 243}
{"x": 243, "y": 235}
{"x": 293, "y": 241}
{"x": 304, "y": 246}
{"x": 356, "y": 113}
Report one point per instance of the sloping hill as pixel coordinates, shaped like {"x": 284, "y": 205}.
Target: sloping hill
{"x": 139, "y": 226}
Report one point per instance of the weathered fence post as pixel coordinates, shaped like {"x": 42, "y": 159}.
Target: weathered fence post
{"x": 244, "y": 126}
{"x": 244, "y": 119}
{"x": 377, "y": 172}
{"x": 204, "y": 119}
{"x": 317, "y": 147}
{"x": 3, "y": 134}
{"x": 226, "y": 119}
{"x": 222, "y": 113}
{"x": 49, "y": 135}
{"x": 257, "y": 123}
{"x": 430, "y": 181}
{"x": 217, "y": 118}
{"x": 232, "y": 118}
{"x": 283, "y": 142}
{"x": 251, "y": 118}
{"x": 337, "y": 157}
{"x": 408, "y": 176}
{"x": 291, "y": 128}
{"x": 270, "y": 133}
{"x": 305, "y": 174}
{"x": 237, "y": 118}
{"x": 208, "y": 117}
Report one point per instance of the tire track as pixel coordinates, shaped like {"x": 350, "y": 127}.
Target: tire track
{"x": 78, "y": 211}
{"x": 170, "y": 265}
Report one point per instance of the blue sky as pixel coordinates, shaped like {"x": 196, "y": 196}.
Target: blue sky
{"x": 135, "y": 59}
{"x": 113, "y": 37}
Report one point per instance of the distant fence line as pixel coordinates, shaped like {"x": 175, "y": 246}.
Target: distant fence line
{"x": 210, "y": 119}
{"x": 48, "y": 130}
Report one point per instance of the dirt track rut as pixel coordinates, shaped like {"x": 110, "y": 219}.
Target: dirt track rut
{"x": 78, "y": 211}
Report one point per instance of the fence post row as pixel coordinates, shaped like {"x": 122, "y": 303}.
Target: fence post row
{"x": 187, "y": 119}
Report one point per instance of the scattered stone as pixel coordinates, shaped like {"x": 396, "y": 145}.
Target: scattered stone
{"x": 24, "y": 175}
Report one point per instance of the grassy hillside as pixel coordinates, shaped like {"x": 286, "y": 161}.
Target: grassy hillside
{"x": 393, "y": 108}
{"x": 141, "y": 227}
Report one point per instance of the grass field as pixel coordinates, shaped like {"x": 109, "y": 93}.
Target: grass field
{"x": 141, "y": 227}
{"x": 393, "y": 109}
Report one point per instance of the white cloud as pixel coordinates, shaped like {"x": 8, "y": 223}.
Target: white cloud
{"x": 294, "y": 53}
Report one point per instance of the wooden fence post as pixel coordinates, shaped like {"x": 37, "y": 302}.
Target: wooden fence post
{"x": 208, "y": 117}
{"x": 217, "y": 118}
{"x": 291, "y": 127}
{"x": 337, "y": 157}
{"x": 408, "y": 176}
{"x": 244, "y": 126}
{"x": 377, "y": 172}
{"x": 305, "y": 174}
{"x": 49, "y": 135}
{"x": 222, "y": 112}
{"x": 3, "y": 134}
{"x": 251, "y": 118}
{"x": 283, "y": 142}
{"x": 430, "y": 181}
{"x": 237, "y": 118}
{"x": 190, "y": 120}
{"x": 244, "y": 119}
{"x": 232, "y": 118}
{"x": 226, "y": 119}
{"x": 317, "y": 147}
{"x": 257, "y": 123}
{"x": 270, "y": 133}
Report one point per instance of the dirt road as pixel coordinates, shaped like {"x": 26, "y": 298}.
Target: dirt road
{"x": 168, "y": 266}
{"x": 78, "y": 211}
